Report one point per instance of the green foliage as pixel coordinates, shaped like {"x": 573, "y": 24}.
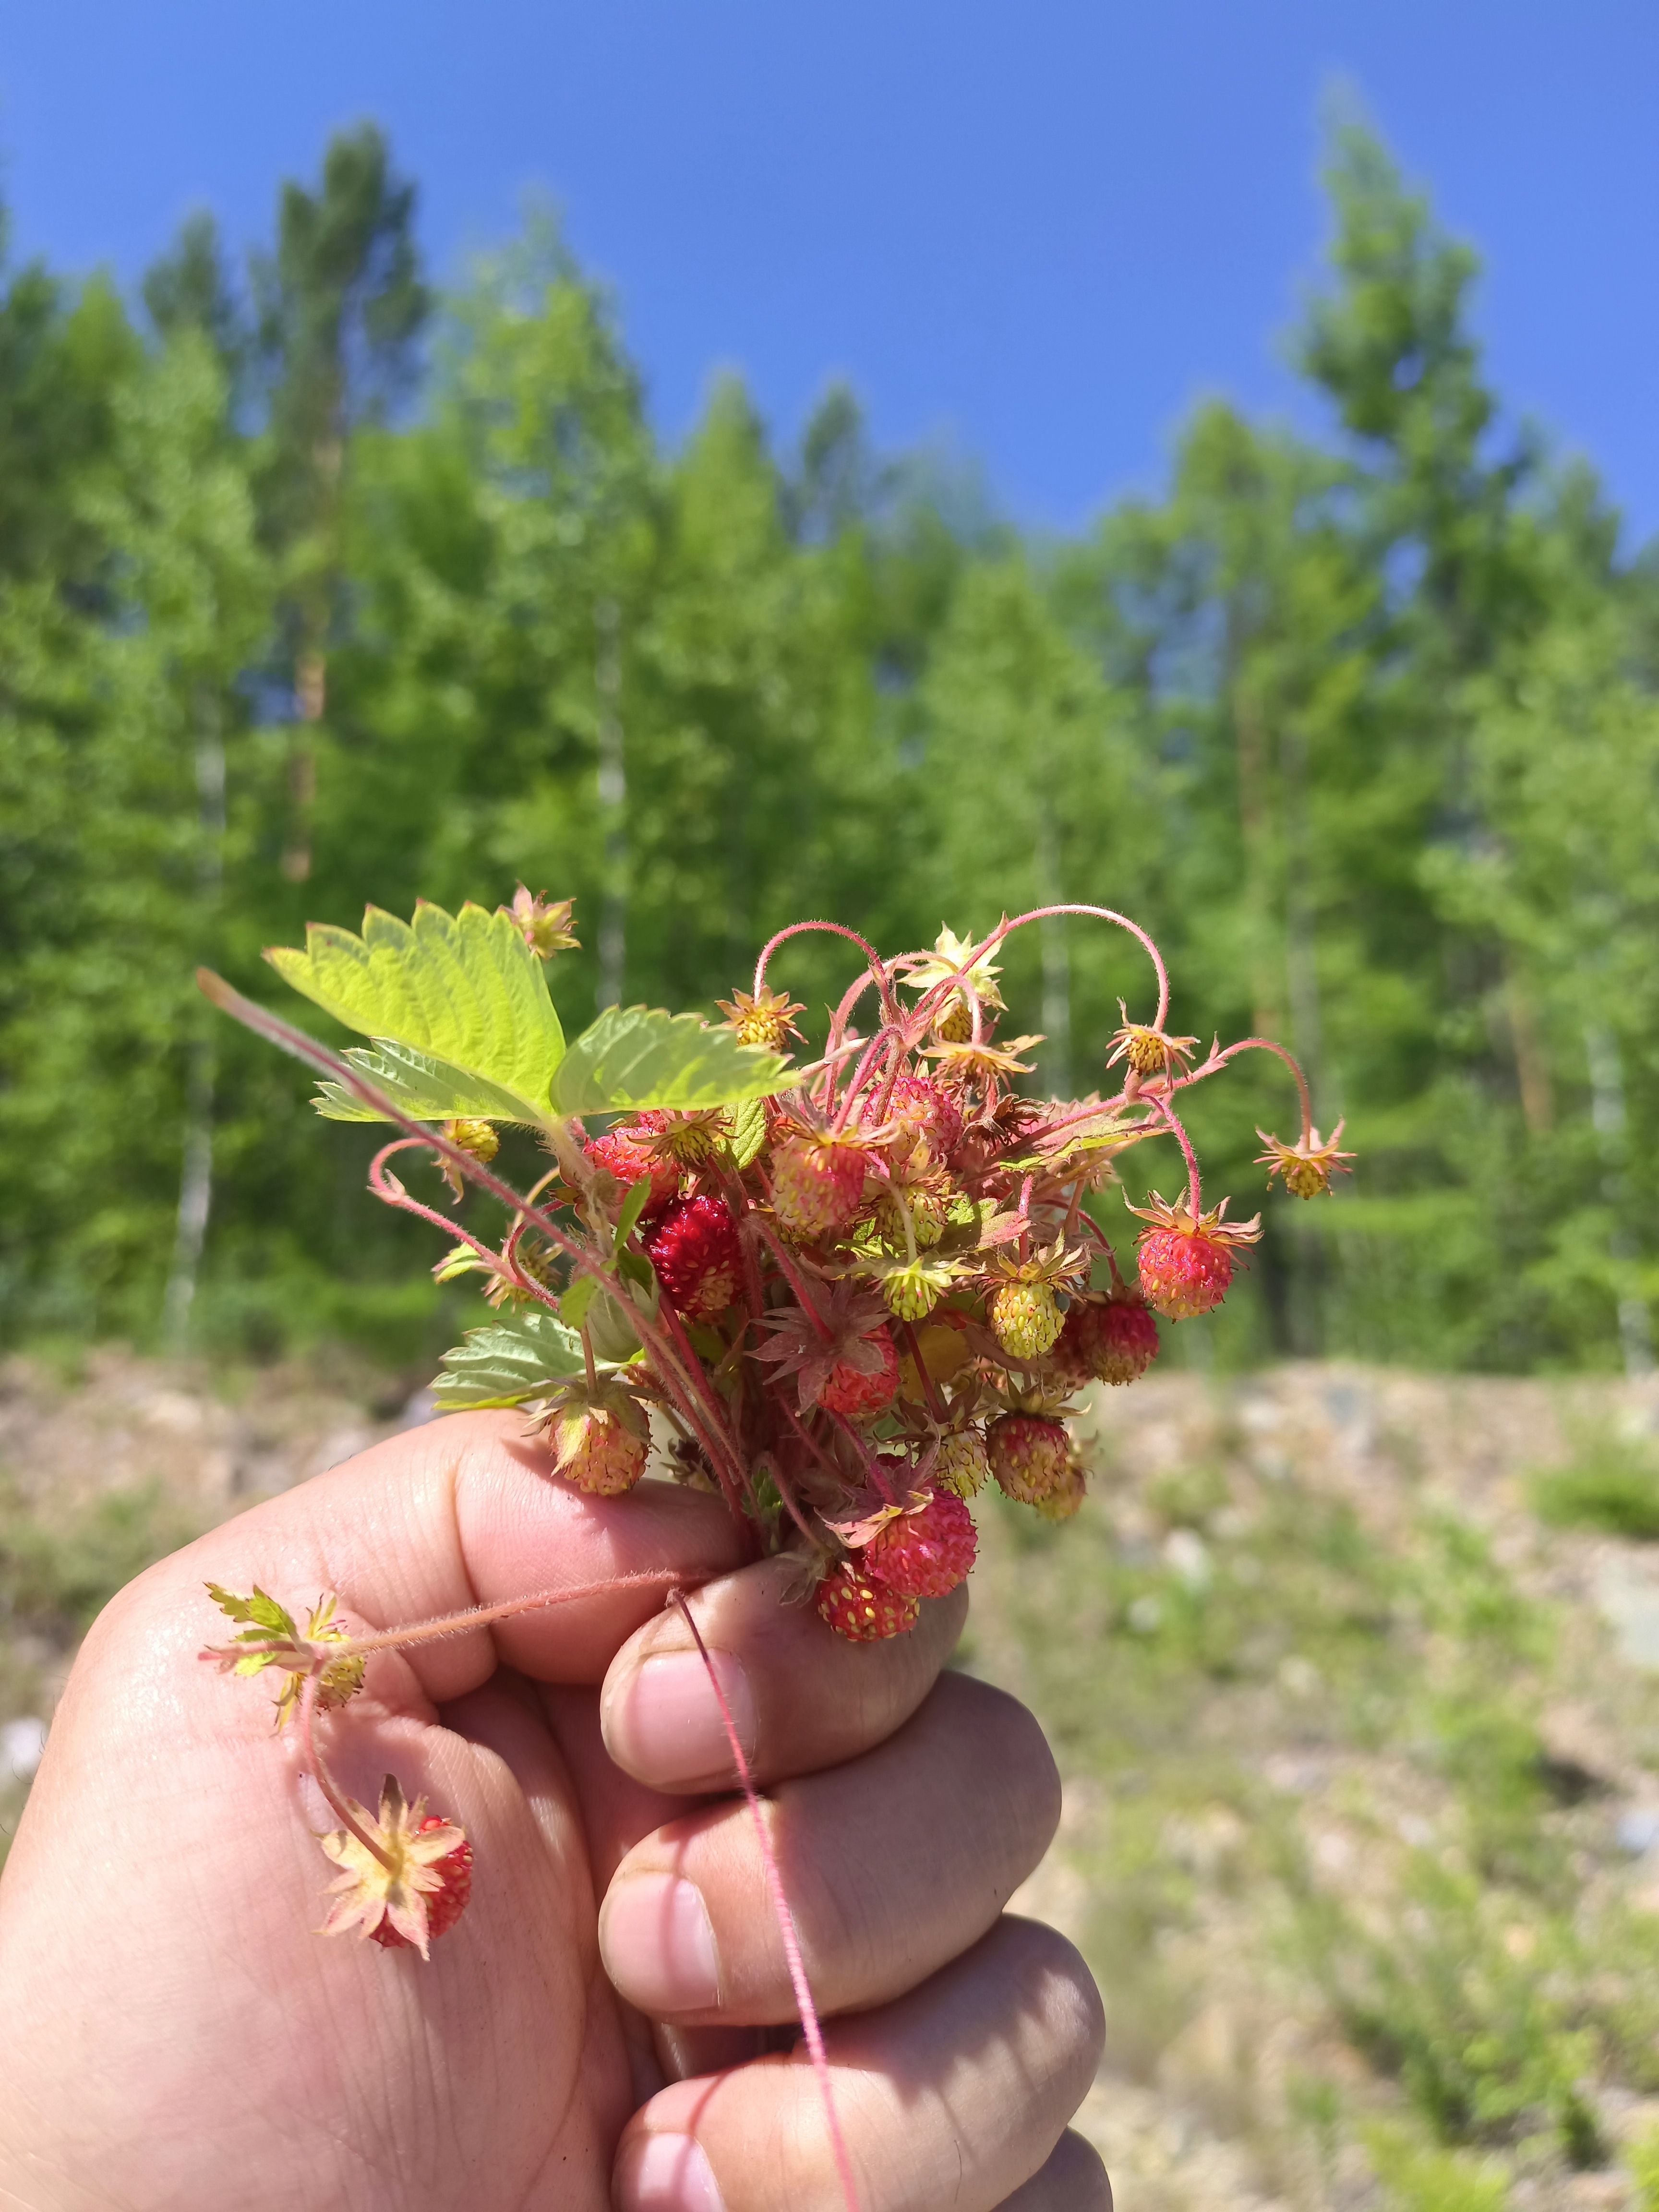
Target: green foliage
{"x": 58, "y": 1573}
{"x": 508, "y": 1362}
{"x": 1364, "y": 728}
{"x": 1611, "y": 1485}
{"x": 1416, "y": 2178}
{"x": 634, "y": 1057}
{"x": 1644, "y": 2161}
{"x": 465, "y": 989}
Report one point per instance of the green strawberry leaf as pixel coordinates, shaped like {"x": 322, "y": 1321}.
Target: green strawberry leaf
{"x": 610, "y": 1331}
{"x": 637, "y": 1056}
{"x": 465, "y": 989}
{"x": 427, "y": 1089}
{"x": 576, "y": 1300}
{"x": 267, "y": 1616}
{"x": 633, "y": 1207}
{"x": 747, "y": 1132}
{"x": 519, "y": 1357}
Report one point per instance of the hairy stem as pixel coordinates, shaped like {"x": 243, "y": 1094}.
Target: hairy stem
{"x": 785, "y": 1918}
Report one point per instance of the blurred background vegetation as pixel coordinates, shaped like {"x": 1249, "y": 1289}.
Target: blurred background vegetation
{"x": 317, "y": 588}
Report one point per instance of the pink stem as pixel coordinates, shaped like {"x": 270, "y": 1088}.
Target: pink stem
{"x": 391, "y": 1192}
{"x": 878, "y": 1472}
{"x": 785, "y": 1918}
{"x": 1195, "y": 1201}
{"x": 936, "y": 1405}
{"x": 836, "y": 929}
{"x": 448, "y": 1624}
{"x": 802, "y": 1297}
{"x": 1266, "y": 1044}
{"x": 325, "y": 1783}
{"x": 1097, "y": 913}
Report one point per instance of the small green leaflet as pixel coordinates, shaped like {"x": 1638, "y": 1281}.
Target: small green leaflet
{"x": 611, "y": 1332}
{"x": 637, "y": 1056}
{"x": 428, "y": 1090}
{"x": 522, "y": 1357}
{"x": 464, "y": 988}
{"x": 268, "y": 1619}
{"x": 633, "y": 1206}
{"x": 748, "y": 1131}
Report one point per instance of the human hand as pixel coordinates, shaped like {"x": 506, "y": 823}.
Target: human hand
{"x": 173, "y": 2034}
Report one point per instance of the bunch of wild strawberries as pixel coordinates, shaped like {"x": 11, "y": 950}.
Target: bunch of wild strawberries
{"x": 878, "y": 1286}
{"x": 845, "y": 1307}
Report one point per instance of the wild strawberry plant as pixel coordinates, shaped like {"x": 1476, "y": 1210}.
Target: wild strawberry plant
{"x": 842, "y": 1290}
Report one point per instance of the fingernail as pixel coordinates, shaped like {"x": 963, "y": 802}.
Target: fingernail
{"x": 666, "y": 1727}
{"x": 667, "y": 2173}
{"x": 659, "y": 1946}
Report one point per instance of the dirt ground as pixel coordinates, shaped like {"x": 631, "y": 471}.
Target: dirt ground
{"x": 1285, "y": 1596}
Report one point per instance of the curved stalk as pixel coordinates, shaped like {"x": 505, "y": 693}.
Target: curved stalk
{"x": 1218, "y": 1059}
{"x": 834, "y": 929}
{"x": 1098, "y": 914}
{"x": 337, "y": 1803}
{"x": 1195, "y": 1200}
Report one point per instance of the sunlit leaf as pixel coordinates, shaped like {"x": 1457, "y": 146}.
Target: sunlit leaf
{"x": 519, "y": 1358}
{"x": 465, "y": 989}
{"x": 636, "y": 1056}
{"x": 428, "y": 1089}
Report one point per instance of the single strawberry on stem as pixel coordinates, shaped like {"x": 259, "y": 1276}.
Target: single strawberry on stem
{"x": 861, "y": 1609}
{"x": 926, "y": 1548}
{"x": 694, "y": 1250}
{"x": 1029, "y": 1455}
{"x": 817, "y": 1185}
{"x": 1107, "y": 1341}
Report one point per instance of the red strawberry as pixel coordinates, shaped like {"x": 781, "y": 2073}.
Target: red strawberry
{"x": 926, "y": 1553}
{"x": 623, "y": 1154}
{"x": 1115, "y": 1342}
{"x": 444, "y": 1906}
{"x": 1187, "y": 1257}
{"x": 1184, "y": 1273}
{"x": 1030, "y": 1455}
{"x": 861, "y": 1610}
{"x": 859, "y": 1397}
{"x": 696, "y": 1253}
{"x": 818, "y": 1186}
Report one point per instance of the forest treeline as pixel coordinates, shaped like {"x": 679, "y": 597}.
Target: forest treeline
{"x": 317, "y": 588}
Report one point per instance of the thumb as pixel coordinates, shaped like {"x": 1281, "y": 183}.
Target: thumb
{"x": 465, "y": 1511}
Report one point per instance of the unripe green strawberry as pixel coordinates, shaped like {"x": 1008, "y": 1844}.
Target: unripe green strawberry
{"x": 927, "y": 1210}
{"x": 1024, "y": 1319}
{"x": 598, "y": 1449}
{"x": 818, "y": 1186}
{"x": 863, "y": 1610}
{"x": 912, "y": 1292}
{"x": 1030, "y": 1455}
{"x": 962, "y": 1464}
{"x": 1064, "y": 1500}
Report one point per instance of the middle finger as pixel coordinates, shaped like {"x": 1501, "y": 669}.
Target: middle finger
{"x": 892, "y": 1863}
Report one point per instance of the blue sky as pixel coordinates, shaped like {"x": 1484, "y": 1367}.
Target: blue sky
{"x": 1040, "y": 230}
